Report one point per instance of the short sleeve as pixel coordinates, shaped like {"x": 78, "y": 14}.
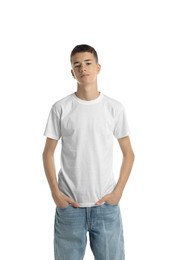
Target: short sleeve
{"x": 53, "y": 129}
{"x": 121, "y": 127}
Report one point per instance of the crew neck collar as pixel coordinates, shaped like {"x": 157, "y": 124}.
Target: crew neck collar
{"x": 88, "y": 102}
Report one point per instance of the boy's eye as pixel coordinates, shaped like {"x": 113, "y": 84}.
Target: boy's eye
{"x": 77, "y": 66}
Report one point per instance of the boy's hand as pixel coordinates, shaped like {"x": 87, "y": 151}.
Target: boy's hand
{"x": 62, "y": 201}
{"x": 112, "y": 198}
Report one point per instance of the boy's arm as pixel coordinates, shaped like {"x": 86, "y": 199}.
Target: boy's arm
{"x": 125, "y": 170}
{"x": 60, "y": 199}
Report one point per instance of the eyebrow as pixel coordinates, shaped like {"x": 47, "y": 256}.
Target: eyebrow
{"x": 76, "y": 62}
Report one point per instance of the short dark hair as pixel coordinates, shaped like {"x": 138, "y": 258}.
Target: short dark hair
{"x": 83, "y": 48}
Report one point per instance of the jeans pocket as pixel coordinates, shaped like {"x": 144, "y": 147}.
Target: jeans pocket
{"x": 63, "y": 208}
{"x": 108, "y": 204}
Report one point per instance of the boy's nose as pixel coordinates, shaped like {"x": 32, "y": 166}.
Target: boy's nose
{"x": 82, "y": 68}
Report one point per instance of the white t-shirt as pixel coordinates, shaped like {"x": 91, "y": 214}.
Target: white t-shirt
{"x": 86, "y": 129}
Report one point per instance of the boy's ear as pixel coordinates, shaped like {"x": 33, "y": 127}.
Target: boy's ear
{"x": 99, "y": 67}
{"x": 72, "y": 73}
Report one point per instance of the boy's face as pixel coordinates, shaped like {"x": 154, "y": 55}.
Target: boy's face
{"x": 85, "y": 68}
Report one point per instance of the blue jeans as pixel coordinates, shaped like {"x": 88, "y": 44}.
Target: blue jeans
{"x": 105, "y": 229}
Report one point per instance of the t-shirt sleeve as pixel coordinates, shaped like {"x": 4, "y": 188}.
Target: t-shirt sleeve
{"x": 53, "y": 129}
{"x": 121, "y": 127}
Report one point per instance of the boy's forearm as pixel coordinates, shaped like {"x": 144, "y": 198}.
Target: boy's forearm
{"x": 125, "y": 171}
{"x": 114, "y": 197}
{"x": 50, "y": 171}
{"x": 59, "y": 198}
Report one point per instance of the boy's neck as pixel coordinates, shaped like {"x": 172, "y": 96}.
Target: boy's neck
{"x": 87, "y": 93}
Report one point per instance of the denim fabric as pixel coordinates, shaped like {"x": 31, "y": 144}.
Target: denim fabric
{"x": 105, "y": 229}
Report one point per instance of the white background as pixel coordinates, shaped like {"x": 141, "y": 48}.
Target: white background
{"x": 134, "y": 40}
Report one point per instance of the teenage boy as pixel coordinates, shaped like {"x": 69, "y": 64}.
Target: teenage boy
{"x": 85, "y": 193}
